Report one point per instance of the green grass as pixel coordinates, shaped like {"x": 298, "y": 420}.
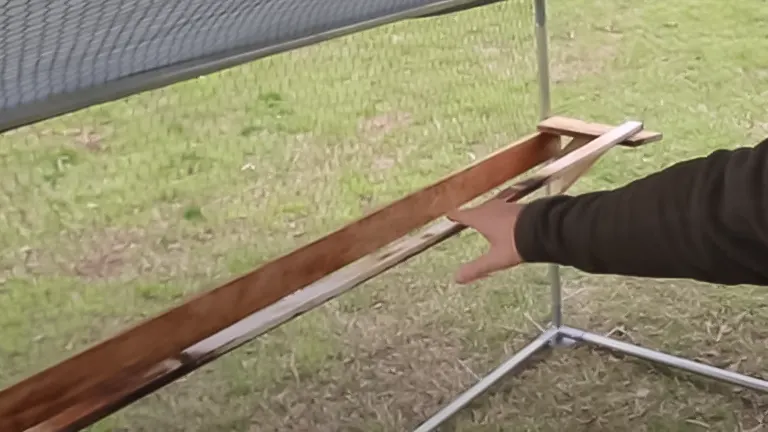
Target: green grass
{"x": 120, "y": 211}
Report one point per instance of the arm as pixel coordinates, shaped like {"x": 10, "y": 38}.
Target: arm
{"x": 703, "y": 219}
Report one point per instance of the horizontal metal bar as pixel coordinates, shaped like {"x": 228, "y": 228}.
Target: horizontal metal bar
{"x": 509, "y": 366}
{"x": 474, "y": 4}
{"x": 666, "y": 359}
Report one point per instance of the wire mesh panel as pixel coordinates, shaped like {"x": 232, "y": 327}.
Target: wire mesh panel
{"x": 60, "y": 56}
{"x": 114, "y": 213}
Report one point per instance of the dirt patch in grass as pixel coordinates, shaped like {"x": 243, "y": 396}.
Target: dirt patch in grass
{"x": 577, "y": 55}
{"x": 393, "y": 372}
{"x": 117, "y": 254}
{"x": 106, "y": 255}
{"x": 90, "y": 140}
{"x": 378, "y": 126}
{"x": 505, "y": 61}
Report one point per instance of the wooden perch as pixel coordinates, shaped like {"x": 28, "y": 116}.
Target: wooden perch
{"x": 113, "y": 373}
{"x": 574, "y": 161}
{"x": 89, "y": 373}
{"x": 575, "y": 128}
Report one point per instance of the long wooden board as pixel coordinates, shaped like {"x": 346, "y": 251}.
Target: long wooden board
{"x": 83, "y": 377}
{"x": 140, "y": 384}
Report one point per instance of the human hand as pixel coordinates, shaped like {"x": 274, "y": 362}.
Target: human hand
{"x": 495, "y": 220}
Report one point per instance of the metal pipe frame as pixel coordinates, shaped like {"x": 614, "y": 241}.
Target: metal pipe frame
{"x": 545, "y": 340}
{"x": 558, "y": 334}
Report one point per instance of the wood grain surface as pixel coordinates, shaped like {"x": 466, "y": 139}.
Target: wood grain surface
{"x": 576, "y": 128}
{"x": 100, "y": 370}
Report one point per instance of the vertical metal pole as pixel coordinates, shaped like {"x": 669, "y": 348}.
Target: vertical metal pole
{"x": 542, "y": 51}
{"x": 545, "y": 107}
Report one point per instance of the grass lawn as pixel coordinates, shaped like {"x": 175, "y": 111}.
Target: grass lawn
{"x": 118, "y": 212}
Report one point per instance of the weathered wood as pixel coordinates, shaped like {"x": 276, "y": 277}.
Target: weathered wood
{"x": 99, "y": 371}
{"x": 120, "y": 389}
{"x": 288, "y": 308}
{"x": 142, "y": 383}
{"x": 575, "y": 128}
{"x": 566, "y": 180}
{"x": 574, "y": 161}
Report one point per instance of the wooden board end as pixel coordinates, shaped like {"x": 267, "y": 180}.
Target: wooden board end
{"x": 575, "y": 128}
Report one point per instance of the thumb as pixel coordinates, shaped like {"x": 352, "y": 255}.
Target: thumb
{"x": 479, "y": 268}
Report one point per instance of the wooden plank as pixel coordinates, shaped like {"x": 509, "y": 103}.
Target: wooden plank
{"x": 292, "y": 306}
{"x": 580, "y": 158}
{"x": 566, "y": 180}
{"x": 288, "y": 308}
{"x": 142, "y": 383}
{"x": 87, "y": 375}
{"x": 574, "y": 162}
{"x": 580, "y": 129}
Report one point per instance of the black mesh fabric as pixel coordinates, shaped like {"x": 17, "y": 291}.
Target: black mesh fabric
{"x": 56, "y": 47}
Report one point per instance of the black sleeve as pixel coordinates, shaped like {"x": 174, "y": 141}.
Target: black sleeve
{"x": 704, "y": 219}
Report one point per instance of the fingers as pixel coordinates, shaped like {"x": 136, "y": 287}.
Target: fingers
{"x": 469, "y": 217}
{"x": 479, "y": 268}
{"x": 458, "y": 216}
{"x": 495, "y": 221}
